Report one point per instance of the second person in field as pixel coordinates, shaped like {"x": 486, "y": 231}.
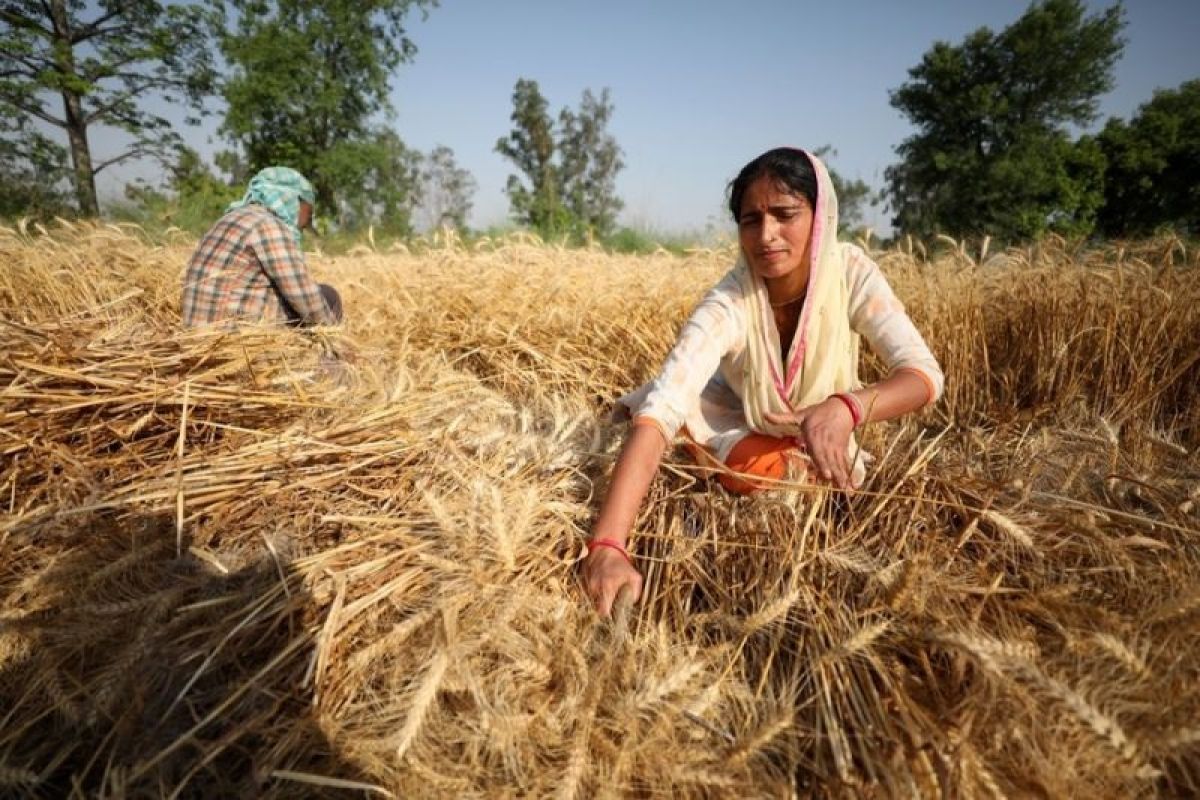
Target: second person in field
{"x": 249, "y": 267}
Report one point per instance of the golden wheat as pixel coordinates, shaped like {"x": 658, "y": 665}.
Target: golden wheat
{"x": 230, "y": 566}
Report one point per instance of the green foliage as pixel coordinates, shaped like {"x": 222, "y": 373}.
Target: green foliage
{"x": 100, "y": 61}
{"x": 589, "y": 160}
{"x": 308, "y": 82}
{"x": 377, "y": 181}
{"x": 32, "y": 173}
{"x": 631, "y": 240}
{"x": 991, "y": 154}
{"x": 642, "y": 240}
{"x": 570, "y": 172}
{"x": 194, "y": 198}
{"x": 1153, "y": 175}
{"x": 530, "y": 146}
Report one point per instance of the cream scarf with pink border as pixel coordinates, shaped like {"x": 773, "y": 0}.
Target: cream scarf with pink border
{"x": 823, "y": 358}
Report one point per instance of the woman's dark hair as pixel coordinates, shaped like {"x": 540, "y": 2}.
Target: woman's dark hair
{"x": 789, "y": 166}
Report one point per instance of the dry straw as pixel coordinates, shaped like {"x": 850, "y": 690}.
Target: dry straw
{"x": 231, "y": 566}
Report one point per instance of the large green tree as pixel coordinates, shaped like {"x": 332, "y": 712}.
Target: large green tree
{"x": 73, "y": 66}
{"x": 309, "y": 88}
{"x": 569, "y": 170}
{"x": 1153, "y": 166}
{"x": 992, "y": 153}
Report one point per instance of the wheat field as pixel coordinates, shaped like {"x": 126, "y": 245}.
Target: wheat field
{"x": 231, "y": 565}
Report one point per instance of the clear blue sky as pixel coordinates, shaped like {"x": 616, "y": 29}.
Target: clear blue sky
{"x": 701, "y": 87}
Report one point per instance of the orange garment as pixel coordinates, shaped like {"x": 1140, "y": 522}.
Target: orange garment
{"x": 756, "y": 455}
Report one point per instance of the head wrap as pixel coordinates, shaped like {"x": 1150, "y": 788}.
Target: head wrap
{"x": 280, "y": 190}
{"x": 824, "y": 353}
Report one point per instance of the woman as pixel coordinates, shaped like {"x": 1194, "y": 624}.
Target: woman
{"x": 249, "y": 266}
{"x": 763, "y": 380}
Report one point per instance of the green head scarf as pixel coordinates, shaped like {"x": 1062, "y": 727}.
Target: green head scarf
{"x": 279, "y": 189}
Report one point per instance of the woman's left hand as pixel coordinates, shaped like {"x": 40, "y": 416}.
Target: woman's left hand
{"x": 824, "y": 431}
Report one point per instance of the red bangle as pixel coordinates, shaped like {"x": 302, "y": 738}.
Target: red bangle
{"x": 613, "y": 543}
{"x": 856, "y": 412}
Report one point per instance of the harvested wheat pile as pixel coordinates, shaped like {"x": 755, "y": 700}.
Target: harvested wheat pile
{"x": 228, "y": 568}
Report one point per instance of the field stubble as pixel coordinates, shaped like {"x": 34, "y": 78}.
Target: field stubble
{"x": 227, "y": 568}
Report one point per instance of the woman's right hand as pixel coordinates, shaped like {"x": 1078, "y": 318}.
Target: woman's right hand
{"x": 605, "y": 573}
{"x": 824, "y": 430}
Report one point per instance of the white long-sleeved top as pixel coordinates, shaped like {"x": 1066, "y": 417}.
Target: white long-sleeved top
{"x": 700, "y": 384}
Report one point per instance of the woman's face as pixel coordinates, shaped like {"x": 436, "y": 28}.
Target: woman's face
{"x": 774, "y": 228}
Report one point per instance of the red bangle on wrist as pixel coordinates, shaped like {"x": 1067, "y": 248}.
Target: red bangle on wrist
{"x": 613, "y": 543}
{"x": 854, "y": 406}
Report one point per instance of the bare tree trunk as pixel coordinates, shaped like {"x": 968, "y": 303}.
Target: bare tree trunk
{"x": 81, "y": 157}
{"x": 76, "y": 122}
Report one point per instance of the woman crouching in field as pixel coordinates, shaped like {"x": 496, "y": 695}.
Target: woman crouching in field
{"x": 764, "y": 375}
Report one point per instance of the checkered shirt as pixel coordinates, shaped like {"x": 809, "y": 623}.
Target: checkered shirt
{"x": 248, "y": 268}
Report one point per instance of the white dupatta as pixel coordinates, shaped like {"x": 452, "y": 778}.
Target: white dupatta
{"x": 823, "y": 357}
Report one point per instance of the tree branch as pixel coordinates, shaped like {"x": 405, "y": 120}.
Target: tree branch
{"x": 34, "y": 64}
{"x": 115, "y": 29}
{"x": 13, "y": 73}
{"x": 93, "y": 29}
{"x": 137, "y": 151}
{"x": 106, "y": 108}
{"x": 37, "y": 112}
{"x": 115, "y": 66}
{"x": 20, "y": 21}
{"x": 44, "y": 117}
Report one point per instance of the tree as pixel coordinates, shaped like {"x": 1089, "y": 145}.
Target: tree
{"x": 590, "y": 160}
{"x": 1153, "y": 165}
{"x": 309, "y": 83}
{"x": 446, "y": 190}
{"x": 991, "y": 153}
{"x": 570, "y": 172}
{"x": 102, "y": 60}
{"x": 379, "y": 180}
{"x": 530, "y": 146}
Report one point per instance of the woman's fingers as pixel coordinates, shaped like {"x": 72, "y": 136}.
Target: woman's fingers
{"x": 786, "y": 418}
{"x": 831, "y": 462}
{"x": 605, "y": 576}
{"x": 609, "y": 590}
{"x": 827, "y": 436}
{"x": 844, "y": 460}
{"x": 825, "y": 460}
{"x": 817, "y": 445}
{"x": 842, "y": 463}
{"x": 606, "y": 597}
{"x": 839, "y": 472}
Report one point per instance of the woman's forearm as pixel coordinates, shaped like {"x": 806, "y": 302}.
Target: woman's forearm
{"x": 635, "y": 470}
{"x": 901, "y": 393}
